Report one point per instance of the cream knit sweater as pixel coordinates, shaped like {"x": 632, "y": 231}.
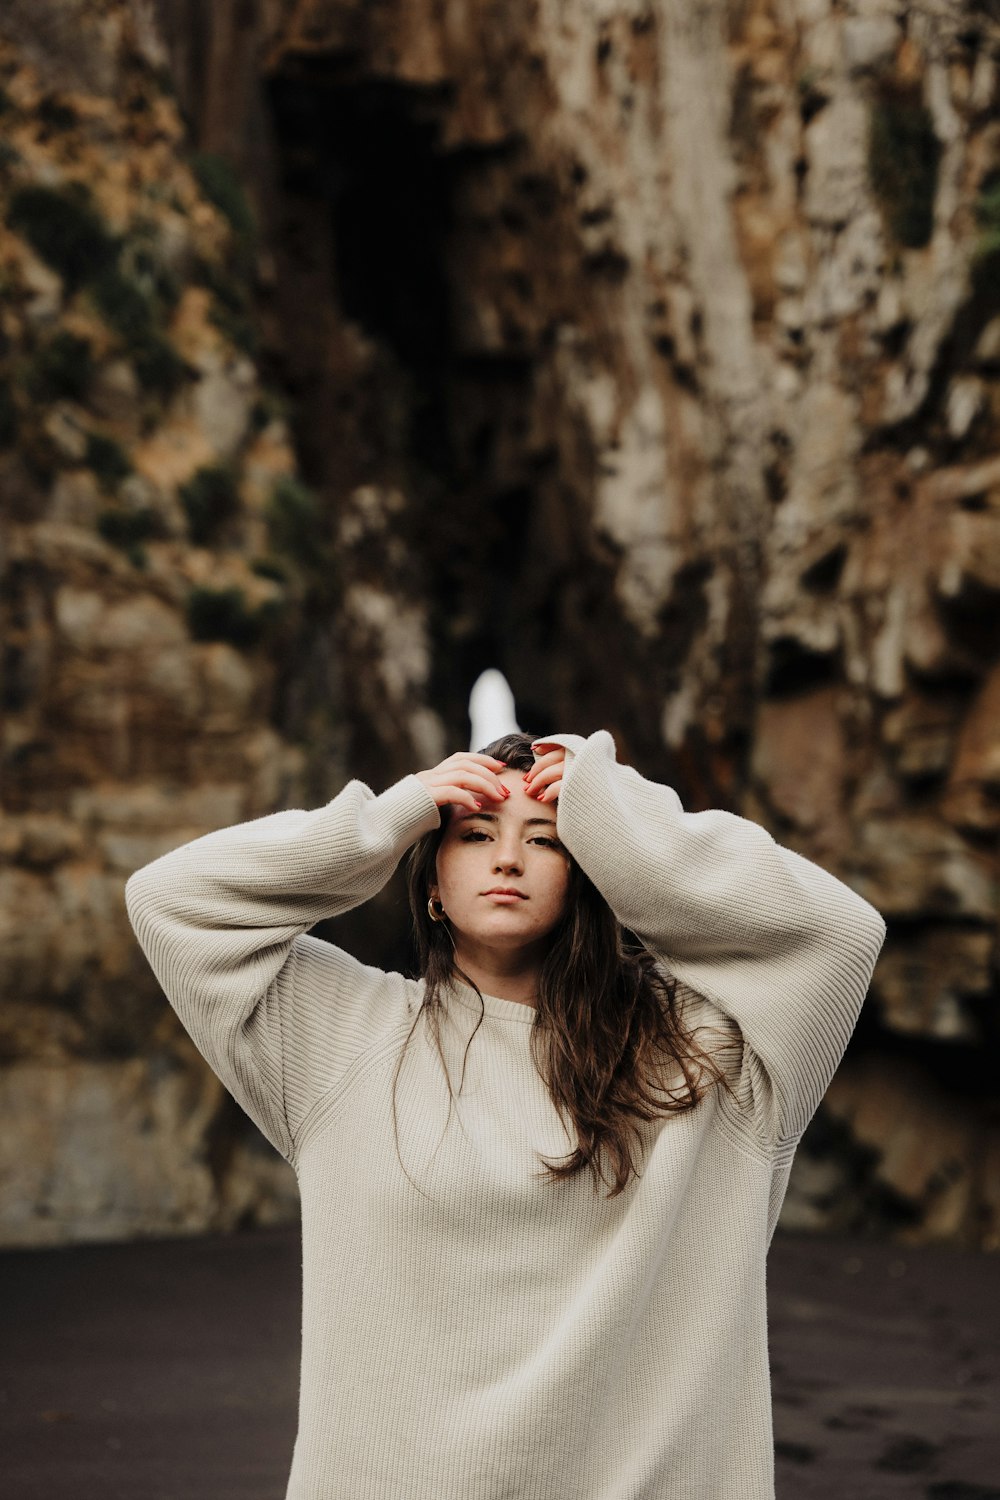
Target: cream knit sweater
{"x": 479, "y": 1333}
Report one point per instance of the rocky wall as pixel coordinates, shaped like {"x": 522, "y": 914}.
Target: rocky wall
{"x": 145, "y": 473}
{"x": 650, "y": 353}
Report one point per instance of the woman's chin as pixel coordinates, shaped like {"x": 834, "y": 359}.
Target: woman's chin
{"x": 505, "y": 932}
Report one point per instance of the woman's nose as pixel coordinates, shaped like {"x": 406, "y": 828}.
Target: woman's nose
{"x": 507, "y": 858}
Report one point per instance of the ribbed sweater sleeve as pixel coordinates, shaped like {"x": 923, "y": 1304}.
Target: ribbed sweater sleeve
{"x": 777, "y": 943}
{"x": 279, "y": 1016}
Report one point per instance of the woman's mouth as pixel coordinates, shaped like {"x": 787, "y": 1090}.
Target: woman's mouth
{"x": 505, "y": 896}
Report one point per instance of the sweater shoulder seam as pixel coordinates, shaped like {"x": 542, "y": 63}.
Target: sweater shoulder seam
{"x": 734, "y": 1125}
{"x": 325, "y": 1105}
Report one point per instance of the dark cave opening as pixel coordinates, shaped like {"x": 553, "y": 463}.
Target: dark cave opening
{"x": 364, "y": 154}
{"x": 368, "y": 151}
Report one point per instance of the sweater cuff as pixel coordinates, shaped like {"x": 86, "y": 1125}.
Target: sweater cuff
{"x": 600, "y": 743}
{"x": 571, "y": 743}
{"x": 404, "y": 812}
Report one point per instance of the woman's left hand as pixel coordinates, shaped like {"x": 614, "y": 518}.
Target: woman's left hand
{"x": 545, "y": 777}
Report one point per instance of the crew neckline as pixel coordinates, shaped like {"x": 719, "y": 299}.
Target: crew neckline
{"x": 493, "y": 1005}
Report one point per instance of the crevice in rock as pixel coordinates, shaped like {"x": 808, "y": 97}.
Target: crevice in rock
{"x": 366, "y": 151}
{"x": 364, "y": 156}
{"x": 793, "y": 667}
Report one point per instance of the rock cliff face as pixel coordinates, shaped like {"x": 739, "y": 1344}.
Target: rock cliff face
{"x": 651, "y": 354}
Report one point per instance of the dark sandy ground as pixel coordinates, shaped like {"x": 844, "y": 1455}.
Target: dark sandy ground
{"x": 168, "y": 1370}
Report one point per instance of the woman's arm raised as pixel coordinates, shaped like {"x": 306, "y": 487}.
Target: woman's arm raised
{"x": 220, "y": 919}
{"x": 773, "y": 940}
{"x": 278, "y": 1015}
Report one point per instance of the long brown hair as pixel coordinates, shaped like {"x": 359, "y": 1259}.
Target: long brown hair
{"x": 606, "y": 1034}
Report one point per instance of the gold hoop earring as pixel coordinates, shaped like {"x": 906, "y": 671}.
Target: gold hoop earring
{"x": 438, "y": 915}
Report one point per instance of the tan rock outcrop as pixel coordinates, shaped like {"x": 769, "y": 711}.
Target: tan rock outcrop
{"x": 652, "y": 356}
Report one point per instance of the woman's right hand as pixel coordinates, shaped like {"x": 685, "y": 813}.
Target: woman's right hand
{"x": 465, "y": 778}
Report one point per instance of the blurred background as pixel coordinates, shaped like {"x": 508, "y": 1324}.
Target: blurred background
{"x": 646, "y": 355}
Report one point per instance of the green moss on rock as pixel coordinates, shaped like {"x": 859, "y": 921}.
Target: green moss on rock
{"x": 107, "y": 459}
{"x": 221, "y": 185}
{"x": 127, "y": 528}
{"x": 65, "y": 229}
{"x": 293, "y": 521}
{"x": 158, "y": 365}
{"x": 904, "y": 155}
{"x": 223, "y": 615}
{"x": 61, "y": 368}
{"x": 123, "y": 306}
{"x": 210, "y": 498}
{"x": 988, "y": 217}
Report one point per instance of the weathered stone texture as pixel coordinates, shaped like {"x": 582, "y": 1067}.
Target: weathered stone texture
{"x": 651, "y": 354}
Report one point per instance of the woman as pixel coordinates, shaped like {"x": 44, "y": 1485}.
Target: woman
{"x": 539, "y": 1182}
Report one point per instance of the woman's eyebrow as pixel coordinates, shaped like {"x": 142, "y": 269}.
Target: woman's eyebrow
{"x": 467, "y": 816}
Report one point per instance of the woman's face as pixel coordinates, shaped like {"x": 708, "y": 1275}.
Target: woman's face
{"x": 502, "y": 874}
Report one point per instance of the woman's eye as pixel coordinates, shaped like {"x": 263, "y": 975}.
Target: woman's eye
{"x": 479, "y": 835}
